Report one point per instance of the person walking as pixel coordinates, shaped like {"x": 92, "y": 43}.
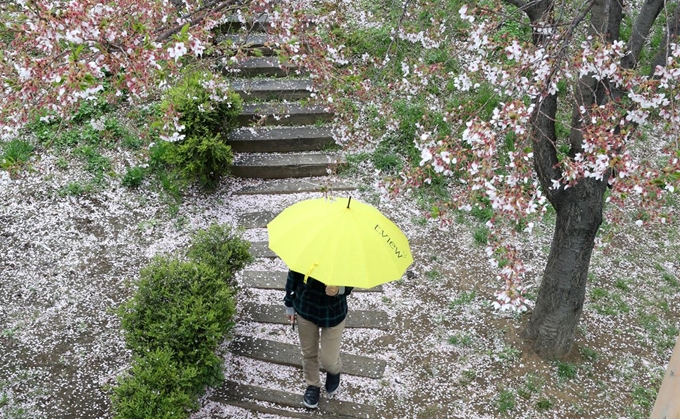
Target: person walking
{"x": 320, "y": 311}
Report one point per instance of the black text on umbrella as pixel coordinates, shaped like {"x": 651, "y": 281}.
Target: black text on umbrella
{"x": 392, "y": 244}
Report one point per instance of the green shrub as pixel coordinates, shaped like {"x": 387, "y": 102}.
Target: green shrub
{"x": 207, "y": 117}
{"x": 204, "y": 159}
{"x": 184, "y": 307}
{"x": 156, "y": 387}
{"x": 222, "y": 249}
{"x": 200, "y": 112}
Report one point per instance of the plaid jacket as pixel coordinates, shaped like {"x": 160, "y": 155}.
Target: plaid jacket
{"x": 311, "y": 302}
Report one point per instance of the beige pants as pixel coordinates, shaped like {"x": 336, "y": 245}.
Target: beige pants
{"x": 326, "y": 349}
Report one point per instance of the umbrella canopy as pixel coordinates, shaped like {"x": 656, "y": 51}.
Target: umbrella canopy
{"x": 340, "y": 241}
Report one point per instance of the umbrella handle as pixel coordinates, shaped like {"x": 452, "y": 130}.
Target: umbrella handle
{"x": 309, "y": 272}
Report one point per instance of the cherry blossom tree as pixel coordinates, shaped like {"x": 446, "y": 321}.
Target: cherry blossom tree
{"x": 56, "y": 54}
{"x": 531, "y": 153}
{"x": 582, "y": 101}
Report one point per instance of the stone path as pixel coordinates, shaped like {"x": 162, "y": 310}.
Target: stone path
{"x": 290, "y": 146}
{"x": 234, "y": 394}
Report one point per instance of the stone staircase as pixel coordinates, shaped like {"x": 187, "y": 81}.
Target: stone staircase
{"x": 281, "y": 136}
{"x": 290, "y": 146}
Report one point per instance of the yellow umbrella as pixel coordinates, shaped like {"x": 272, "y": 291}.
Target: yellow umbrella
{"x": 340, "y": 241}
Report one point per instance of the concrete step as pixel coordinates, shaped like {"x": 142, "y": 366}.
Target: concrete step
{"x": 258, "y": 219}
{"x": 267, "y": 313}
{"x": 280, "y": 166}
{"x": 251, "y": 41}
{"x": 283, "y": 114}
{"x": 276, "y": 280}
{"x": 280, "y": 139}
{"x": 273, "y": 89}
{"x": 288, "y": 354}
{"x": 257, "y": 23}
{"x": 262, "y": 250}
{"x": 247, "y": 396}
{"x": 261, "y": 66}
{"x": 234, "y": 23}
{"x": 288, "y": 186}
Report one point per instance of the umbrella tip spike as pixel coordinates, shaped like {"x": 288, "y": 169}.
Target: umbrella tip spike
{"x": 349, "y": 200}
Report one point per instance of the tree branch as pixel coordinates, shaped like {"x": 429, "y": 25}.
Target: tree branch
{"x": 543, "y": 134}
{"x": 671, "y": 35}
{"x": 401, "y": 20}
{"x": 544, "y": 138}
{"x": 202, "y": 13}
{"x": 638, "y": 36}
{"x": 517, "y": 3}
{"x": 615, "y": 17}
{"x": 588, "y": 90}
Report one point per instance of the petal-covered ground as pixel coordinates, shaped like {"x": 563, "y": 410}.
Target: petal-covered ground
{"x": 67, "y": 262}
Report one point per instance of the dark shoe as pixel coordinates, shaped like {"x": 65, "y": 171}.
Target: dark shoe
{"x": 311, "y": 399}
{"x": 332, "y": 383}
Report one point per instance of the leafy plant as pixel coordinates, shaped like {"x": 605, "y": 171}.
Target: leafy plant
{"x": 481, "y": 235}
{"x": 566, "y": 369}
{"x": 622, "y": 284}
{"x": 90, "y": 109}
{"x": 387, "y": 161}
{"x": 460, "y": 339}
{"x": 589, "y": 354}
{"x": 531, "y": 386}
{"x": 643, "y": 396}
{"x": 133, "y": 177}
{"x": 173, "y": 324}
{"x": 117, "y": 133}
{"x": 433, "y": 275}
{"x": 62, "y": 163}
{"x": 506, "y": 401}
{"x": 95, "y": 163}
{"x": 15, "y": 155}
{"x": 201, "y": 155}
{"x": 671, "y": 280}
{"x": 74, "y": 189}
{"x": 464, "y": 298}
{"x": 507, "y": 354}
{"x": 544, "y": 404}
{"x": 468, "y": 376}
{"x": 481, "y": 212}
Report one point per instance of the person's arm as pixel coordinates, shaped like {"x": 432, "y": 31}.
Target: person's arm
{"x": 291, "y": 285}
{"x": 337, "y": 291}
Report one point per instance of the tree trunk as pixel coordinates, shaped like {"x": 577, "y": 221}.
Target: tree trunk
{"x": 553, "y": 323}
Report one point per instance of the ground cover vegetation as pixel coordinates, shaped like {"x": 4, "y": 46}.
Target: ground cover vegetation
{"x": 397, "y": 78}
